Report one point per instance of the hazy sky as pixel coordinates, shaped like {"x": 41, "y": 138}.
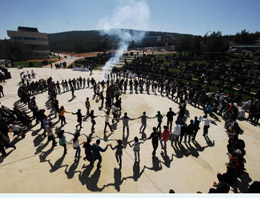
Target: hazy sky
{"x": 182, "y": 16}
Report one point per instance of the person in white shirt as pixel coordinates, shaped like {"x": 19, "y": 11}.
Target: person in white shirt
{"x": 75, "y": 143}
{"x": 125, "y": 120}
{"x": 17, "y": 130}
{"x": 206, "y": 121}
{"x": 176, "y": 133}
{"x": 51, "y": 135}
{"x": 107, "y": 122}
{"x": 136, "y": 145}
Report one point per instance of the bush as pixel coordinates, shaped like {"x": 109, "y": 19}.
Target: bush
{"x": 45, "y": 62}
{"x": 31, "y": 64}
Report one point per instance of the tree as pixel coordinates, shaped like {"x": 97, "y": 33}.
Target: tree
{"x": 214, "y": 43}
{"x": 245, "y": 38}
{"x": 79, "y": 48}
{"x": 184, "y": 44}
{"x": 196, "y": 45}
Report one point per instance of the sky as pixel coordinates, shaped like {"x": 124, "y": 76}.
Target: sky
{"x": 182, "y": 16}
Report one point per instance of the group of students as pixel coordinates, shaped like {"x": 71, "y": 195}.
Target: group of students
{"x": 153, "y": 73}
{"x": 235, "y": 167}
{"x": 211, "y": 72}
{"x": 12, "y": 121}
{"x": 113, "y": 106}
{"x": 180, "y": 130}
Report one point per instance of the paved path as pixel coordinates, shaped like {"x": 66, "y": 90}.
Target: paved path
{"x": 65, "y": 58}
{"x": 34, "y": 167}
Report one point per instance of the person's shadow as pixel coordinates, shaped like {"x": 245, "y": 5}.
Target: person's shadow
{"x": 198, "y": 146}
{"x": 107, "y": 136}
{"x": 70, "y": 173}
{"x": 213, "y": 122}
{"x": 4, "y": 156}
{"x": 157, "y": 166}
{"x": 215, "y": 118}
{"x": 136, "y": 171}
{"x": 184, "y": 151}
{"x": 45, "y": 154}
{"x": 73, "y": 97}
{"x": 38, "y": 140}
{"x": 91, "y": 134}
{"x": 41, "y": 147}
{"x": 192, "y": 150}
{"x": 177, "y": 151}
{"x": 166, "y": 159}
{"x": 85, "y": 173}
{"x": 57, "y": 165}
{"x": 91, "y": 183}
{"x": 125, "y": 138}
{"x": 35, "y": 132}
{"x": 209, "y": 142}
{"x": 16, "y": 140}
{"x": 55, "y": 123}
{"x": 118, "y": 179}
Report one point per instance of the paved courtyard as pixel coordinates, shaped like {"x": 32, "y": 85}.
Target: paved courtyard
{"x": 34, "y": 167}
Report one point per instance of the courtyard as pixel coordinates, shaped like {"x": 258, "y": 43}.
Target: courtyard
{"x": 37, "y": 168}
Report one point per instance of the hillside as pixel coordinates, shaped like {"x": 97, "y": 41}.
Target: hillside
{"x": 93, "y": 40}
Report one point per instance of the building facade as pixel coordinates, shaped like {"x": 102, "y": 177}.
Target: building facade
{"x": 36, "y": 41}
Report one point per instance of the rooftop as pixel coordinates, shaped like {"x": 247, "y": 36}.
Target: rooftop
{"x": 27, "y": 29}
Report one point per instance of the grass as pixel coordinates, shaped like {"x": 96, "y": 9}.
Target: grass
{"x": 174, "y": 70}
{"x": 255, "y": 58}
{"x": 163, "y": 55}
{"x": 80, "y": 65}
{"x": 26, "y": 63}
{"x": 191, "y": 62}
{"x": 98, "y": 66}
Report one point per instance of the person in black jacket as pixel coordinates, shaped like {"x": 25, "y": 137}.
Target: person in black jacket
{"x": 96, "y": 152}
{"x": 190, "y": 131}
{"x": 196, "y": 128}
{"x": 183, "y": 131}
{"x": 155, "y": 136}
{"x": 169, "y": 116}
{"x": 222, "y": 186}
{"x": 79, "y": 118}
{"x": 88, "y": 151}
{"x": 1, "y": 91}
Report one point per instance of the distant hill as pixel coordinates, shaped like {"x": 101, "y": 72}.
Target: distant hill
{"x": 93, "y": 40}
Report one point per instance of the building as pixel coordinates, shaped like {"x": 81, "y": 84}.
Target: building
{"x": 36, "y": 41}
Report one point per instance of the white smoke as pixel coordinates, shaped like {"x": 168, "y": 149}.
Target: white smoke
{"x": 131, "y": 14}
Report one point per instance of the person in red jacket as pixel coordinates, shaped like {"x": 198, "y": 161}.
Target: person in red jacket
{"x": 165, "y": 137}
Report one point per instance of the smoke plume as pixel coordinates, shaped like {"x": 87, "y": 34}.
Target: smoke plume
{"x": 131, "y": 14}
